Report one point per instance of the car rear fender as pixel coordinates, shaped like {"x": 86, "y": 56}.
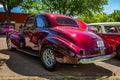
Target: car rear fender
{"x": 54, "y": 42}
{"x": 63, "y": 53}
{"x": 61, "y": 44}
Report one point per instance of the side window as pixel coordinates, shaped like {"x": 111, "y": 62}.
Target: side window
{"x": 96, "y": 29}
{"x": 30, "y": 23}
{"x": 111, "y": 29}
{"x": 40, "y": 22}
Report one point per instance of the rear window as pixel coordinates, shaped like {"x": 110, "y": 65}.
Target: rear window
{"x": 66, "y": 21}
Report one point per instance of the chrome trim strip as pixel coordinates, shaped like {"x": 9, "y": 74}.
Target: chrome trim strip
{"x": 26, "y": 52}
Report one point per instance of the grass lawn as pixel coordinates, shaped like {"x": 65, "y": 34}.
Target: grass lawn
{"x": 66, "y": 78}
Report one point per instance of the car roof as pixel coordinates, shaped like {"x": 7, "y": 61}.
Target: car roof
{"x": 106, "y": 23}
{"x": 52, "y": 15}
{"x": 56, "y": 15}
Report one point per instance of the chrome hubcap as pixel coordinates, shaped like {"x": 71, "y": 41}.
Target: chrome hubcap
{"x": 48, "y": 57}
{"x": 9, "y": 44}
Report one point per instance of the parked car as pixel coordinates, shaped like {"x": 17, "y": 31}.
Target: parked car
{"x": 7, "y": 29}
{"x": 110, "y": 33}
{"x": 58, "y": 38}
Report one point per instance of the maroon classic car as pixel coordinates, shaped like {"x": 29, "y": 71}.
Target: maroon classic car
{"x": 58, "y": 38}
{"x": 109, "y": 32}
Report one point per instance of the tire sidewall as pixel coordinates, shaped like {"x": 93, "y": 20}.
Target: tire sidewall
{"x": 49, "y": 68}
{"x": 8, "y": 41}
{"x": 118, "y": 53}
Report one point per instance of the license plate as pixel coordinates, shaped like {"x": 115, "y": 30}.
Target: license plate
{"x": 100, "y": 44}
{"x": 102, "y": 48}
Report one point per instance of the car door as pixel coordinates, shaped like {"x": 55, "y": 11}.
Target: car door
{"x": 35, "y": 31}
{"x": 29, "y": 31}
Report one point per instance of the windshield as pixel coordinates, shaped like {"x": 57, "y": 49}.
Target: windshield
{"x": 66, "y": 21}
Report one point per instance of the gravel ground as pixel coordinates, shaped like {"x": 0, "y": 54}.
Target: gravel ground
{"x": 18, "y": 65}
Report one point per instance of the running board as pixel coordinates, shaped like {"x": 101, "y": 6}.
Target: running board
{"x": 37, "y": 55}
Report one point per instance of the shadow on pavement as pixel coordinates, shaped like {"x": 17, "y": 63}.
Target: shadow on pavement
{"x": 27, "y": 65}
{"x": 2, "y": 35}
{"x": 113, "y": 61}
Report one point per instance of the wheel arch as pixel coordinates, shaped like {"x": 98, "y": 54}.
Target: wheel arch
{"x": 53, "y": 42}
{"x": 118, "y": 52}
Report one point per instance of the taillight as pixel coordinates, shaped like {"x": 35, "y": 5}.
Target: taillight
{"x": 82, "y": 52}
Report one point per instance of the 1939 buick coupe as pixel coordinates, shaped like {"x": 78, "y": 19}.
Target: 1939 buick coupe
{"x": 58, "y": 38}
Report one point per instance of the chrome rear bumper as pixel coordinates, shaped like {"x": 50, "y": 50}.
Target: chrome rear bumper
{"x": 96, "y": 59}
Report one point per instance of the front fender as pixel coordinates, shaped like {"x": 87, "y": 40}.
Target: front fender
{"x": 16, "y": 39}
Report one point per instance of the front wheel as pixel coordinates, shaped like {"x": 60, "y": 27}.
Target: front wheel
{"x": 9, "y": 44}
{"x": 48, "y": 58}
{"x": 118, "y": 53}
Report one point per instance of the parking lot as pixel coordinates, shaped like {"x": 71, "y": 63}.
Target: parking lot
{"x": 20, "y": 65}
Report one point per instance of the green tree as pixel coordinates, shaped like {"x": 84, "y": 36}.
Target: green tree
{"x": 115, "y": 15}
{"x": 32, "y": 6}
{"x": 103, "y": 17}
{"x": 8, "y": 5}
{"x": 75, "y": 7}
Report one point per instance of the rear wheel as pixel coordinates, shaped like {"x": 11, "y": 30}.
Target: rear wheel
{"x": 118, "y": 52}
{"x": 48, "y": 58}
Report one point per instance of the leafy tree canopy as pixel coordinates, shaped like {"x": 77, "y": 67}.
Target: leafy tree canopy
{"x": 115, "y": 15}
{"x": 8, "y": 5}
{"x": 67, "y": 7}
{"x": 103, "y": 17}
{"x": 32, "y": 6}
{"x": 75, "y": 7}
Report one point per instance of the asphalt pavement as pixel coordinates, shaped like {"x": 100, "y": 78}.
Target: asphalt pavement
{"x": 15, "y": 64}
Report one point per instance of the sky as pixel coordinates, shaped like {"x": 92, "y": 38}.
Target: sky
{"x": 112, "y": 5}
